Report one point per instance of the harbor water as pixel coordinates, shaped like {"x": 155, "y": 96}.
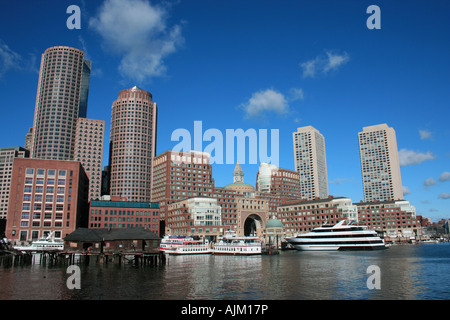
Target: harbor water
{"x": 406, "y": 272}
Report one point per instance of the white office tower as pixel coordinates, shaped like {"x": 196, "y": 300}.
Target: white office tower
{"x": 311, "y": 163}
{"x": 264, "y": 178}
{"x": 380, "y": 164}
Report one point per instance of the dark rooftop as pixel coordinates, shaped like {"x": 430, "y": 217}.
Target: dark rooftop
{"x": 106, "y": 234}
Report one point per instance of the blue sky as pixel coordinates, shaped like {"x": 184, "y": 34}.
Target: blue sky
{"x": 256, "y": 65}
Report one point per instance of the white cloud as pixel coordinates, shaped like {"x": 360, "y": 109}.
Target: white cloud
{"x": 425, "y": 134}
{"x": 444, "y": 195}
{"x": 10, "y": 60}
{"x": 322, "y": 64}
{"x": 445, "y": 176}
{"x": 138, "y": 31}
{"x": 429, "y": 182}
{"x": 409, "y": 157}
{"x": 265, "y": 101}
{"x": 296, "y": 94}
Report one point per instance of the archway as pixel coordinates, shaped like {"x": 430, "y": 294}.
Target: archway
{"x": 252, "y": 225}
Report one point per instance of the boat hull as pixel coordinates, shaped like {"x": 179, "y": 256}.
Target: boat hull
{"x": 236, "y": 251}
{"x": 186, "y": 252}
{"x": 302, "y": 247}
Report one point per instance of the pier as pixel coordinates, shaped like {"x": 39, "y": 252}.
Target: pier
{"x": 66, "y": 258}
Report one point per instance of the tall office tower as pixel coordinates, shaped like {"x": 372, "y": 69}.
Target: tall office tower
{"x": 89, "y": 151}
{"x": 311, "y": 163}
{"x": 380, "y": 164}
{"x": 7, "y": 156}
{"x": 133, "y": 144}
{"x": 264, "y": 176}
{"x": 62, "y": 83}
{"x": 29, "y": 139}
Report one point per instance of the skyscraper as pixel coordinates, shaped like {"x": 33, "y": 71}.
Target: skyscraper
{"x": 89, "y": 151}
{"x": 310, "y": 162}
{"x": 7, "y": 156}
{"x": 132, "y": 144}
{"x": 62, "y": 82}
{"x": 380, "y": 164}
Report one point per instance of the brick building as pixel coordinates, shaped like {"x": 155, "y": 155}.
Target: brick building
{"x": 46, "y": 196}
{"x": 397, "y": 218}
{"x": 181, "y": 175}
{"x": 117, "y": 213}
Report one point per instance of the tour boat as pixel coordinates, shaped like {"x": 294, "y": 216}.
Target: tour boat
{"x": 231, "y": 244}
{"x": 190, "y": 247}
{"x": 44, "y": 244}
{"x": 172, "y": 242}
{"x": 338, "y": 237}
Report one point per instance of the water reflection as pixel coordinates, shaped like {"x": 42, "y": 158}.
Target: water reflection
{"x": 407, "y": 272}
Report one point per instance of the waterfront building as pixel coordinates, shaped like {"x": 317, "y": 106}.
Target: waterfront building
{"x": 63, "y": 84}
{"x": 107, "y": 240}
{"x": 89, "y": 151}
{"x": 119, "y": 213}
{"x": 132, "y": 144}
{"x": 310, "y": 162}
{"x": 7, "y": 156}
{"x": 226, "y": 198}
{"x": 283, "y": 183}
{"x": 396, "y": 218}
{"x": 303, "y": 216}
{"x": 251, "y": 212}
{"x": 181, "y": 175}
{"x": 198, "y": 216}
{"x": 380, "y": 166}
{"x": 46, "y": 196}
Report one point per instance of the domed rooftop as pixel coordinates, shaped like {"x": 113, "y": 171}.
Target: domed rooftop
{"x": 240, "y": 185}
{"x": 238, "y": 181}
{"x": 274, "y": 223}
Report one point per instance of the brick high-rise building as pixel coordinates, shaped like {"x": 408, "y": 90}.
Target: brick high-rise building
{"x": 380, "y": 164}
{"x": 132, "y": 144}
{"x": 46, "y": 196}
{"x": 311, "y": 162}
{"x": 62, "y": 89}
{"x": 181, "y": 175}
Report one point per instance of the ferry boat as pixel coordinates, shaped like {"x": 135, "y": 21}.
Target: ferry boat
{"x": 338, "y": 237}
{"x": 44, "y": 244}
{"x": 231, "y": 244}
{"x": 168, "y": 243}
{"x": 190, "y": 247}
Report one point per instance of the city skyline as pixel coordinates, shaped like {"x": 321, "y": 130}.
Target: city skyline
{"x": 274, "y": 65}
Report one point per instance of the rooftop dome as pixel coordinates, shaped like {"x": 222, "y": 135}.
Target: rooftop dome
{"x": 274, "y": 223}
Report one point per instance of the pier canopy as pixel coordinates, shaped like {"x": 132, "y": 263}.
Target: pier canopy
{"x": 108, "y": 239}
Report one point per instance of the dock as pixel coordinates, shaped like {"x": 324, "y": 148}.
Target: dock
{"x": 66, "y": 258}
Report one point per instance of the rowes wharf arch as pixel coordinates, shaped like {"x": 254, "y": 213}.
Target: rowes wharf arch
{"x": 252, "y": 212}
{"x": 253, "y": 224}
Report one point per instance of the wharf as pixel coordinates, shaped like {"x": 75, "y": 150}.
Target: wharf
{"x": 63, "y": 258}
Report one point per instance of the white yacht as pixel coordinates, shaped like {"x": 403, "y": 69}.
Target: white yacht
{"x": 48, "y": 243}
{"x": 338, "y": 237}
{"x": 231, "y": 244}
